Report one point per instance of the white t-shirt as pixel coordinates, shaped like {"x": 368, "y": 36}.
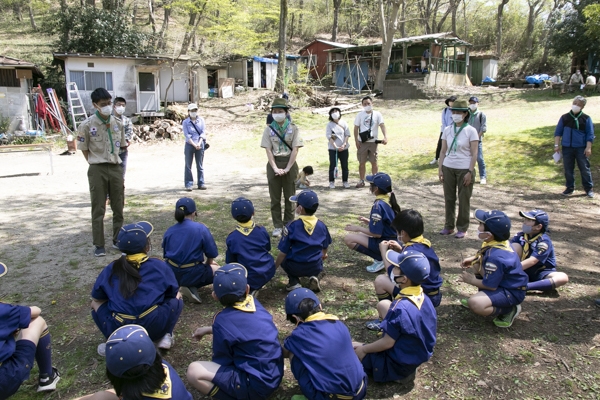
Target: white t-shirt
{"x": 363, "y": 121}
{"x": 340, "y": 130}
{"x": 459, "y": 156}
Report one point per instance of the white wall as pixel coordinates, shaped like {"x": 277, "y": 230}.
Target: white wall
{"x": 15, "y": 104}
{"x": 490, "y": 68}
{"x": 236, "y": 69}
{"x": 179, "y": 90}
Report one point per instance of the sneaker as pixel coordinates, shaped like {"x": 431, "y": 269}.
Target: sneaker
{"x": 102, "y": 349}
{"x": 346, "y": 185}
{"x": 590, "y": 194}
{"x": 506, "y": 320}
{"x": 331, "y": 185}
{"x": 373, "y": 325}
{"x": 188, "y": 188}
{"x": 433, "y": 162}
{"x": 408, "y": 380}
{"x": 567, "y": 192}
{"x": 360, "y": 184}
{"x": 289, "y": 287}
{"x": 446, "y": 231}
{"x": 277, "y": 232}
{"x": 483, "y": 181}
{"x": 191, "y": 294}
{"x": 99, "y": 251}
{"x": 460, "y": 234}
{"x": 166, "y": 342}
{"x": 464, "y": 303}
{"x": 114, "y": 246}
{"x": 202, "y": 187}
{"x": 313, "y": 284}
{"x": 376, "y": 266}
{"x": 47, "y": 383}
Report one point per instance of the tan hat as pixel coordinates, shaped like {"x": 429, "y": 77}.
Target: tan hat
{"x": 280, "y": 103}
{"x": 460, "y": 105}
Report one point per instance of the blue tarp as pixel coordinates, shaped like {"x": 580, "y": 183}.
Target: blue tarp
{"x": 488, "y": 79}
{"x": 539, "y": 79}
{"x": 354, "y": 78}
{"x": 265, "y": 60}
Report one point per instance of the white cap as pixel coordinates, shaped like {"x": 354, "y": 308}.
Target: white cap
{"x": 192, "y": 106}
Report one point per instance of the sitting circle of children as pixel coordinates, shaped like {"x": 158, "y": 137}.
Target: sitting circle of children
{"x": 137, "y": 301}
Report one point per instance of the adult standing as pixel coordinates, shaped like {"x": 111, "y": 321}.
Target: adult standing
{"x": 366, "y": 136}
{"x": 478, "y": 120}
{"x": 337, "y": 133}
{"x": 99, "y": 138}
{"x": 281, "y": 140}
{"x": 119, "y": 114}
{"x": 446, "y": 121}
{"x": 457, "y": 160}
{"x": 425, "y": 60}
{"x": 575, "y": 134}
{"x": 195, "y": 144}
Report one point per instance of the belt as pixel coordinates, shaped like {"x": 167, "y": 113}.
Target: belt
{"x": 122, "y": 317}
{"x": 433, "y": 293}
{"x": 183, "y": 265}
{"x": 346, "y": 397}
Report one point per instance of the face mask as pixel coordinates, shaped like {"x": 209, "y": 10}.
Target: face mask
{"x": 457, "y": 118}
{"x": 527, "y": 228}
{"x": 193, "y": 114}
{"x": 484, "y": 235}
{"x": 368, "y": 109}
{"x": 106, "y": 110}
{"x": 120, "y": 110}
{"x": 473, "y": 107}
{"x": 335, "y": 115}
{"x": 279, "y": 117}
{"x": 575, "y": 109}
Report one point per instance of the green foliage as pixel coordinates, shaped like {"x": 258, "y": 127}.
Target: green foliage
{"x": 570, "y": 34}
{"x": 4, "y": 124}
{"x": 592, "y": 23}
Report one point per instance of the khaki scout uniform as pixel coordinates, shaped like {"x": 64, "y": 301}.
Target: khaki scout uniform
{"x": 105, "y": 175}
{"x": 285, "y": 183}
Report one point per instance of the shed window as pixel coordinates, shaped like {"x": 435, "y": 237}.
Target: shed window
{"x": 8, "y": 78}
{"x": 90, "y": 81}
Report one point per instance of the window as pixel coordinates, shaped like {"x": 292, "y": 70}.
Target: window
{"x": 8, "y": 78}
{"x": 146, "y": 83}
{"x": 89, "y": 81}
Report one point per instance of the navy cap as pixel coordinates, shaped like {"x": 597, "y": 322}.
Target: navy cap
{"x": 307, "y": 199}
{"x": 496, "y": 221}
{"x": 242, "y": 207}
{"x": 128, "y": 347}
{"x": 3, "y": 269}
{"x": 230, "y": 279}
{"x": 187, "y": 205}
{"x": 474, "y": 98}
{"x": 412, "y": 263}
{"x": 381, "y": 180}
{"x": 295, "y": 297}
{"x": 539, "y": 216}
{"x": 134, "y": 237}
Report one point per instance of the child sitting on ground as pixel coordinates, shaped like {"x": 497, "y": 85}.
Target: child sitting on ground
{"x": 304, "y": 243}
{"x": 534, "y": 248}
{"x": 409, "y": 324}
{"x": 318, "y": 342}
{"x": 24, "y": 337}
{"x": 302, "y": 181}
{"x": 250, "y": 245}
{"x": 247, "y": 362}
{"x": 498, "y": 273}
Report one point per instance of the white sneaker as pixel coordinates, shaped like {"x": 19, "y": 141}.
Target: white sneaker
{"x": 346, "y": 185}
{"x": 102, "y": 349}
{"x": 166, "y": 342}
{"x": 434, "y": 161}
{"x": 277, "y": 232}
{"x": 331, "y": 185}
{"x": 483, "y": 181}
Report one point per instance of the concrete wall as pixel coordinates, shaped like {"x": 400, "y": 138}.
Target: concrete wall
{"x": 401, "y": 89}
{"x": 15, "y": 104}
{"x": 179, "y": 90}
{"x": 444, "y": 79}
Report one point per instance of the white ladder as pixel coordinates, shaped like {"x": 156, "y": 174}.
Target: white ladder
{"x": 76, "y": 107}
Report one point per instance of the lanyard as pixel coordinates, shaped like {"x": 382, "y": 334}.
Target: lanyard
{"x": 454, "y": 145}
{"x": 576, "y": 118}
{"x": 106, "y": 122}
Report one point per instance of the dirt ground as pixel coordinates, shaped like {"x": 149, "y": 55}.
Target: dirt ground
{"x": 553, "y": 350}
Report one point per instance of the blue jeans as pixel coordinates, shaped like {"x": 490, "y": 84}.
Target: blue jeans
{"x": 190, "y": 151}
{"x": 480, "y": 161}
{"x": 570, "y": 155}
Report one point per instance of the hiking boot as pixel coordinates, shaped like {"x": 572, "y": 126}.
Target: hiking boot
{"x": 313, "y": 284}
{"x": 191, "y": 294}
{"x": 289, "y": 287}
{"x": 99, "y": 251}
{"x": 47, "y": 383}
{"x": 464, "y": 303}
{"x": 376, "y": 266}
{"x": 166, "y": 342}
{"x": 506, "y": 320}
{"x": 373, "y": 325}
{"x": 101, "y": 349}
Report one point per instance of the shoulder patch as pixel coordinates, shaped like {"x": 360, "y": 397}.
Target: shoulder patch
{"x": 542, "y": 247}
{"x": 81, "y": 138}
{"x": 117, "y": 144}
{"x": 490, "y": 267}
{"x": 375, "y": 217}
{"x": 285, "y": 231}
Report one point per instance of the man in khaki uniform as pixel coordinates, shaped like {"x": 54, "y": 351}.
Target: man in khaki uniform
{"x": 281, "y": 141}
{"x": 99, "y": 138}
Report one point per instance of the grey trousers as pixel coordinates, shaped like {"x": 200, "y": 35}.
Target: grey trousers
{"x": 453, "y": 179}
{"x": 106, "y": 180}
{"x": 285, "y": 184}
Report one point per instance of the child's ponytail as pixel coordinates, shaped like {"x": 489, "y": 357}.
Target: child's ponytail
{"x": 128, "y": 275}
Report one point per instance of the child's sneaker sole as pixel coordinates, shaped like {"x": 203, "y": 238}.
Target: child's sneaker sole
{"x": 313, "y": 284}
{"x": 50, "y": 384}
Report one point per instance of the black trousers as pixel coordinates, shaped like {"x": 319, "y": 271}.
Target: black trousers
{"x": 439, "y": 147}
{"x": 343, "y": 158}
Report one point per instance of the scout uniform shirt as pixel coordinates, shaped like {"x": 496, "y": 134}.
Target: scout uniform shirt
{"x": 380, "y": 220}
{"x": 172, "y": 388}
{"x": 103, "y": 139}
{"x": 501, "y": 268}
{"x": 539, "y": 246}
{"x": 270, "y": 140}
{"x": 188, "y": 242}
{"x": 434, "y": 281}
{"x": 304, "y": 239}
{"x": 13, "y": 318}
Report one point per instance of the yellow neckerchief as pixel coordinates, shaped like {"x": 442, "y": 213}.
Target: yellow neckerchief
{"x": 384, "y": 197}
{"x": 414, "y": 294}
{"x": 485, "y": 246}
{"x": 309, "y": 221}
{"x": 528, "y": 241}
{"x": 137, "y": 259}
{"x": 164, "y": 392}
{"x": 245, "y": 228}
{"x": 246, "y": 305}
{"x": 418, "y": 239}
{"x": 320, "y": 316}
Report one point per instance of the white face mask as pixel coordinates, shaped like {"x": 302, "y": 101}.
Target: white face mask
{"x": 120, "y": 110}
{"x": 368, "y": 109}
{"x": 279, "y": 117}
{"x": 106, "y": 110}
{"x": 484, "y": 235}
{"x": 473, "y": 107}
{"x": 457, "y": 118}
{"x": 335, "y": 115}
{"x": 193, "y": 114}
{"x": 575, "y": 109}
{"x": 527, "y": 228}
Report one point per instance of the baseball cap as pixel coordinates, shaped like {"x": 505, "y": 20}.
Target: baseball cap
{"x": 280, "y": 103}
{"x": 230, "y": 279}
{"x": 192, "y": 106}
{"x": 496, "y": 221}
{"x": 307, "y": 199}
{"x": 412, "y": 263}
{"x": 134, "y": 237}
{"x": 186, "y": 204}
{"x": 381, "y": 180}
{"x": 242, "y": 207}
{"x": 3, "y": 269}
{"x": 128, "y": 347}
{"x": 295, "y": 297}
{"x": 539, "y": 216}
{"x": 474, "y": 98}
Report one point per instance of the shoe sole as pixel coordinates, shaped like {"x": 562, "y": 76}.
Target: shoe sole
{"x": 49, "y": 387}
{"x": 513, "y": 319}
{"x": 187, "y": 293}
{"x": 99, "y": 254}
{"x": 313, "y": 284}
{"x": 290, "y": 288}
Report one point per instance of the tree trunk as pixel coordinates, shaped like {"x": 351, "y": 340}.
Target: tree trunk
{"x": 499, "y": 27}
{"x": 291, "y": 25}
{"x": 454, "y": 5}
{"x": 336, "y": 12}
{"x": 283, "y": 16}
{"x": 535, "y": 7}
{"x": 300, "y": 17}
{"x": 18, "y": 12}
{"x": 32, "y": 18}
{"x": 403, "y": 17}
{"x": 165, "y": 25}
{"x": 190, "y": 33}
{"x": 135, "y": 9}
{"x": 151, "y": 18}
{"x": 550, "y": 24}
{"x": 382, "y": 24}
{"x": 386, "y": 50}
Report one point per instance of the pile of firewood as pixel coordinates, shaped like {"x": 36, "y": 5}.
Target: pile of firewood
{"x": 159, "y": 129}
